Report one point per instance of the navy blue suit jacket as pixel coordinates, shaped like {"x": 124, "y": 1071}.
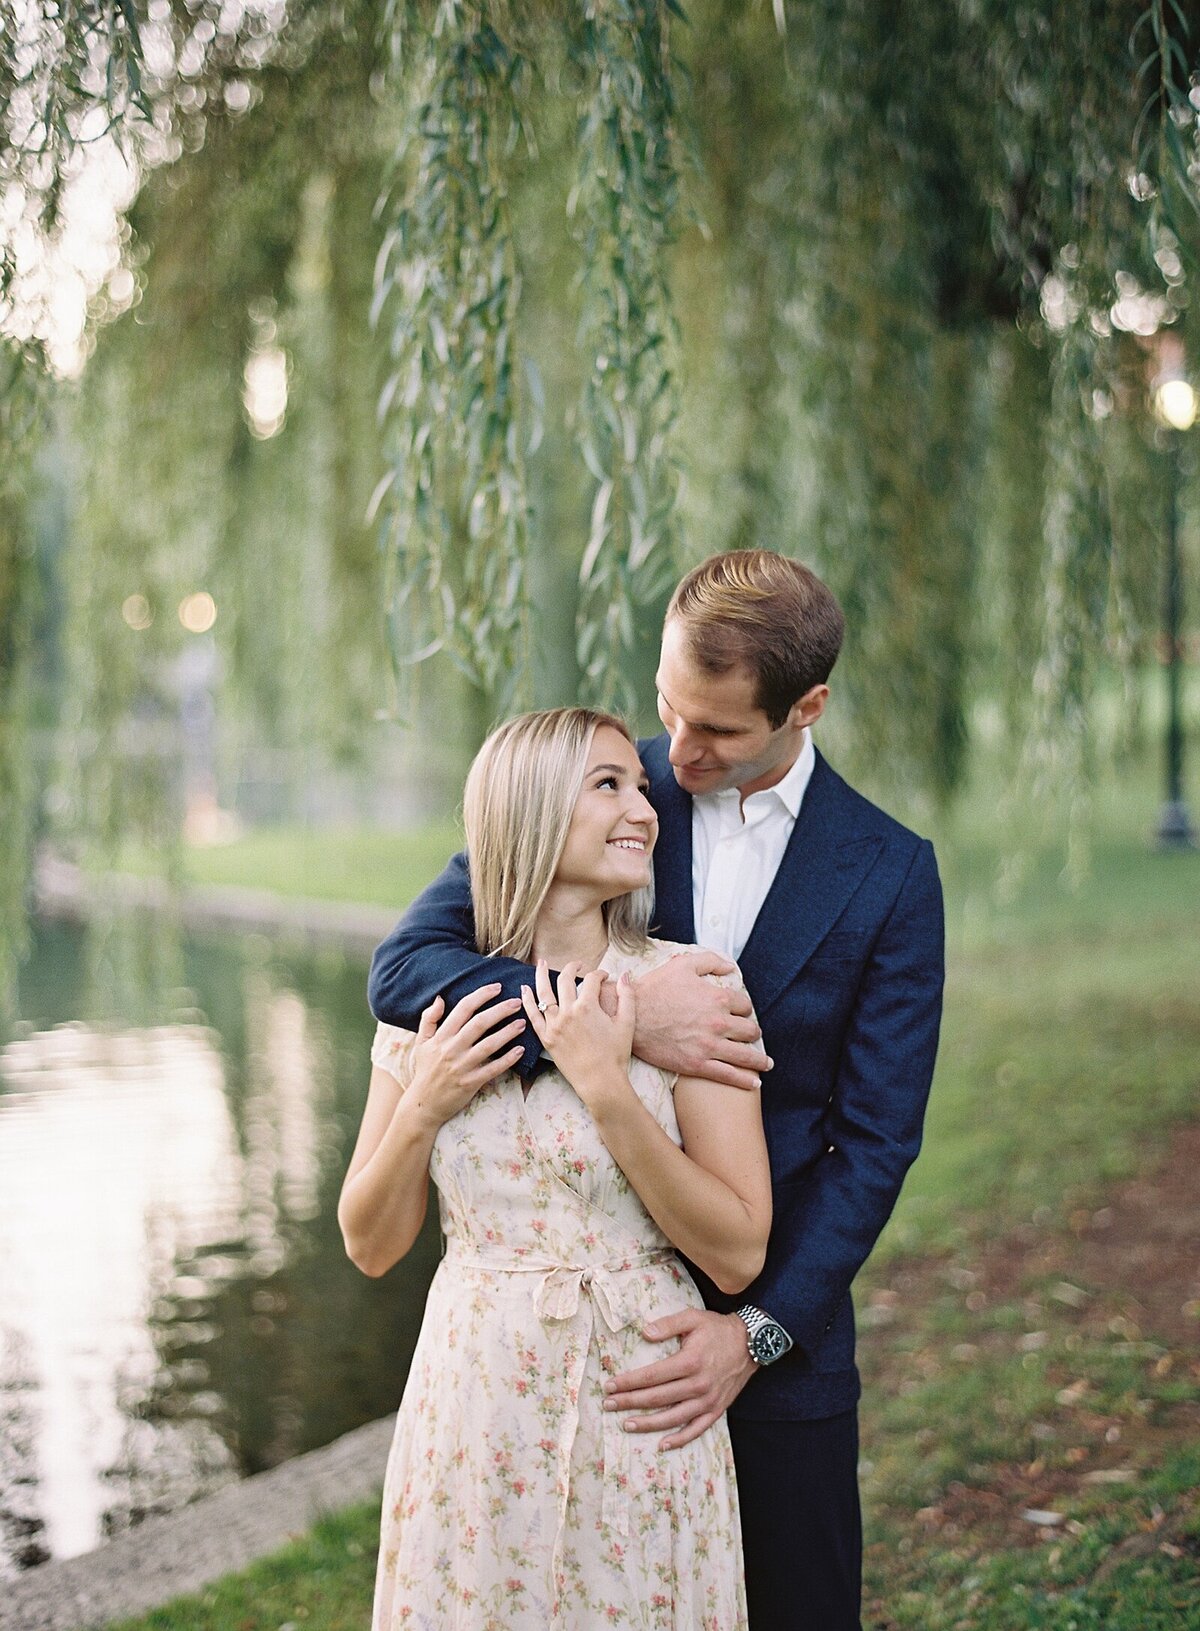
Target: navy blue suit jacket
{"x": 844, "y": 966}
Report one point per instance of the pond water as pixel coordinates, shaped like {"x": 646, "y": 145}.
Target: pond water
{"x": 176, "y": 1309}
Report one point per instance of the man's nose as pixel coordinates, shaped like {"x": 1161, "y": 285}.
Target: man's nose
{"x": 684, "y": 747}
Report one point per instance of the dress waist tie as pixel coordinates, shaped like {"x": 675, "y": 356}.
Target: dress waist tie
{"x": 565, "y": 1290}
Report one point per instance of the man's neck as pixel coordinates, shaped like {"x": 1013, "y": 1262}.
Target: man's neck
{"x": 772, "y": 778}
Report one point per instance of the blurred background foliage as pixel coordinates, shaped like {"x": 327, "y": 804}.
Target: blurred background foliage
{"x": 438, "y": 340}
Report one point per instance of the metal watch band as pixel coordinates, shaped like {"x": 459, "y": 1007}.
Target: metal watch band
{"x": 755, "y": 1320}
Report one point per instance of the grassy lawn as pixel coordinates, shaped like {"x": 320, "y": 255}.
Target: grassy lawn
{"x": 1031, "y": 1434}
{"x": 1004, "y": 1375}
{"x": 351, "y": 864}
{"x": 322, "y": 1583}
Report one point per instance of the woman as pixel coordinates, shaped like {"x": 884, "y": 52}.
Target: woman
{"x": 513, "y": 1499}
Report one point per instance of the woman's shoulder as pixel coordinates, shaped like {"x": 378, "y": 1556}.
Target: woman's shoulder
{"x": 390, "y": 1050}
{"x": 656, "y": 952}
{"x": 651, "y": 954}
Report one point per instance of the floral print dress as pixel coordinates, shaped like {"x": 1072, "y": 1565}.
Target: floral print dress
{"x": 512, "y": 1499}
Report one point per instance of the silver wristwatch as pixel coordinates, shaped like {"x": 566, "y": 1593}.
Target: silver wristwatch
{"x": 765, "y": 1338}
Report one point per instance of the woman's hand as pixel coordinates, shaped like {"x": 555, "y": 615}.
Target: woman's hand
{"x": 454, "y": 1059}
{"x": 587, "y": 1046}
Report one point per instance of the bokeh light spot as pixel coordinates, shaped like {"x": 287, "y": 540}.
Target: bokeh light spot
{"x": 198, "y": 612}
{"x": 1175, "y": 404}
{"x": 266, "y": 391}
{"x": 135, "y": 609}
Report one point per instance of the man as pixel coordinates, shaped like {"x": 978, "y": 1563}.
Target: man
{"x": 833, "y": 913}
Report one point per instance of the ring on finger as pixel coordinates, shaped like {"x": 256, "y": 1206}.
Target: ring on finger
{"x": 543, "y": 1005}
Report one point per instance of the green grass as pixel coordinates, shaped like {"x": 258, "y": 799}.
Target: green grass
{"x": 320, "y": 1583}
{"x": 969, "y": 1428}
{"x": 356, "y": 864}
{"x": 1071, "y": 1047}
{"x": 1072, "y": 1022}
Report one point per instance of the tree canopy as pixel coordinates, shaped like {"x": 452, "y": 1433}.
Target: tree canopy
{"x": 565, "y": 298}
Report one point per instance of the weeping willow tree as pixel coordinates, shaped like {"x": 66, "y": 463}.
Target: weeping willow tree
{"x": 569, "y": 297}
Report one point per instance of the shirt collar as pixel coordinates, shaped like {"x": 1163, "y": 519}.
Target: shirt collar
{"x": 792, "y": 788}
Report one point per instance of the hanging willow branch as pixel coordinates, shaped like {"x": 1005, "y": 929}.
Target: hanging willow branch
{"x": 625, "y": 201}
{"x": 1167, "y": 126}
{"x": 21, "y": 405}
{"x": 69, "y": 73}
{"x": 1077, "y": 586}
{"x": 453, "y": 499}
{"x": 64, "y": 61}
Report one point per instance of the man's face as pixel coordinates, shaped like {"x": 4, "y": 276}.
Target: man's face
{"x": 720, "y": 737}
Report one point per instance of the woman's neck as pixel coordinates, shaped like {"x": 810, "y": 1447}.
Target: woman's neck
{"x": 570, "y": 930}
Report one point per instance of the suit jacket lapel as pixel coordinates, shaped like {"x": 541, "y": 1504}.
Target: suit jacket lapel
{"x": 673, "y": 914}
{"x": 827, "y": 857}
{"x": 825, "y": 862}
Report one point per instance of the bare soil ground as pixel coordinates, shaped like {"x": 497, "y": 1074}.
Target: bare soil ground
{"x": 1127, "y": 1271}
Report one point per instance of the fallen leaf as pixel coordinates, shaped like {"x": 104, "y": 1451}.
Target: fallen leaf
{"x": 1042, "y": 1519}
{"x": 1073, "y": 1296}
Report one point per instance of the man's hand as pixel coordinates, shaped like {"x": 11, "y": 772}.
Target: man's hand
{"x": 688, "y": 1390}
{"x": 694, "y": 1026}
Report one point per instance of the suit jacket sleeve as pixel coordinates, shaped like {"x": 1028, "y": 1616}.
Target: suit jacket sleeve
{"x": 827, "y": 1221}
{"x": 431, "y": 952}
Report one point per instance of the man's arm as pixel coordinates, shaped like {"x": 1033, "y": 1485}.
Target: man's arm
{"x": 826, "y": 1223}
{"x": 693, "y": 1026}
{"x": 431, "y": 952}
{"x": 686, "y": 1023}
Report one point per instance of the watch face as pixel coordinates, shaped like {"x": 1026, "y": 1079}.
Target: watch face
{"x": 770, "y": 1342}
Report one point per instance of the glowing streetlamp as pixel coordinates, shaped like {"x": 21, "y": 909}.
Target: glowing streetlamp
{"x": 1175, "y": 404}
{"x": 1175, "y": 407}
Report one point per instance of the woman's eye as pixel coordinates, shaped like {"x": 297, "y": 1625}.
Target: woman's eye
{"x": 607, "y": 781}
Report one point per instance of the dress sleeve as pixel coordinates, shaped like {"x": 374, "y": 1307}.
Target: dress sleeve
{"x": 392, "y": 1051}
{"x": 733, "y": 981}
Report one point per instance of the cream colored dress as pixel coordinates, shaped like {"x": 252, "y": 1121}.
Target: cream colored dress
{"x": 512, "y": 1499}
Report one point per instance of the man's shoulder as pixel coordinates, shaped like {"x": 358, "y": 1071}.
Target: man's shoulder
{"x": 857, "y": 813}
{"x": 652, "y": 751}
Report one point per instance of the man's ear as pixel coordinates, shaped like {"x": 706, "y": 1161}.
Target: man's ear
{"x": 806, "y": 710}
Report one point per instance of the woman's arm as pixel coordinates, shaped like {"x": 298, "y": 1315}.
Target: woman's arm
{"x": 383, "y": 1199}
{"x": 712, "y": 1199}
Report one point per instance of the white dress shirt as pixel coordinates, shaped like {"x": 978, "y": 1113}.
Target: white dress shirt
{"x": 736, "y": 851}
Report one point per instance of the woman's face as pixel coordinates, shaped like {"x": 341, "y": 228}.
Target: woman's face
{"x": 613, "y": 826}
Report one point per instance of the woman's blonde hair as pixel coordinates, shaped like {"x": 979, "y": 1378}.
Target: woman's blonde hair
{"x": 519, "y": 799}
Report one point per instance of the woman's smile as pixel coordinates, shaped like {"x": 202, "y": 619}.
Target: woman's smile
{"x": 613, "y": 796}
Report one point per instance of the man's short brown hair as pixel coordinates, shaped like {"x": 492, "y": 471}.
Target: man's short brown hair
{"x": 765, "y": 612}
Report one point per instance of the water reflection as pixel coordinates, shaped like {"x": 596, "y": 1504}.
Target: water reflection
{"x": 175, "y": 1306}
{"x": 117, "y": 1156}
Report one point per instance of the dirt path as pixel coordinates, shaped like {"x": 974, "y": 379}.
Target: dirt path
{"x": 1145, "y": 1247}
{"x": 1142, "y": 1248}
{"x": 1127, "y": 1272}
